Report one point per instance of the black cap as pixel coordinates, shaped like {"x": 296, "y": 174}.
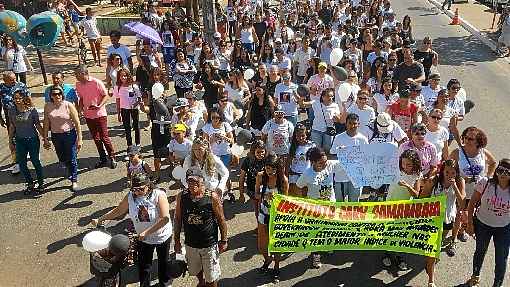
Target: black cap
{"x": 119, "y": 245}
{"x": 140, "y": 179}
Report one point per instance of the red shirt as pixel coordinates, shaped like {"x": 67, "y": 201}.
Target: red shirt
{"x": 403, "y": 117}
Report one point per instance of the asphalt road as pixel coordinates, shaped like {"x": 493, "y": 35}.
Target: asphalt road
{"x": 40, "y": 238}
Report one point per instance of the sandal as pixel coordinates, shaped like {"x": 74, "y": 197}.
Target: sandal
{"x": 276, "y": 275}
{"x": 265, "y": 267}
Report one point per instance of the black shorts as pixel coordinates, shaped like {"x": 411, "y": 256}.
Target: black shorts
{"x": 160, "y": 141}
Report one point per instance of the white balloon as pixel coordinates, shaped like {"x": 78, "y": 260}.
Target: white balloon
{"x": 344, "y": 91}
{"x": 178, "y": 172}
{"x": 157, "y": 90}
{"x": 95, "y": 241}
{"x": 237, "y": 150}
{"x": 248, "y": 74}
{"x": 462, "y": 95}
{"x": 336, "y": 56}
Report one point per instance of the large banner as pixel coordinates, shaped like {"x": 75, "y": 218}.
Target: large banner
{"x": 305, "y": 225}
{"x": 370, "y": 164}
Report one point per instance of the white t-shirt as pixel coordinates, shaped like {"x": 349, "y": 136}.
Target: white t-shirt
{"x": 341, "y": 141}
{"x": 301, "y": 57}
{"x": 299, "y": 163}
{"x": 192, "y": 123}
{"x": 278, "y": 136}
{"x": 128, "y": 96}
{"x": 229, "y": 112}
{"x": 430, "y": 95}
{"x": 218, "y": 179}
{"x": 366, "y": 115}
{"x": 396, "y": 135}
{"x": 494, "y": 205}
{"x": 383, "y": 103}
{"x": 319, "y": 184}
{"x": 284, "y": 64}
{"x": 122, "y": 50}
{"x": 219, "y": 145}
{"x": 285, "y": 96}
{"x": 324, "y": 115}
{"x": 438, "y": 138}
{"x": 16, "y": 60}
{"x": 90, "y": 27}
{"x": 180, "y": 150}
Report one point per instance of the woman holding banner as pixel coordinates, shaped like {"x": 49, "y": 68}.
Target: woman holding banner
{"x": 448, "y": 182}
{"x": 491, "y": 220}
{"x": 270, "y": 181}
{"x": 318, "y": 180}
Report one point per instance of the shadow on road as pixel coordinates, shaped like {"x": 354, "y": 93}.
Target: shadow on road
{"x": 462, "y": 51}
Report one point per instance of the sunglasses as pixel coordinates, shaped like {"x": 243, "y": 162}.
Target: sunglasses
{"x": 503, "y": 171}
{"x": 362, "y": 98}
{"x": 392, "y": 60}
{"x": 455, "y": 88}
{"x": 436, "y": 117}
{"x": 138, "y": 189}
{"x": 420, "y": 133}
{"x": 223, "y": 100}
{"x": 56, "y": 94}
{"x": 469, "y": 139}
{"x": 215, "y": 118}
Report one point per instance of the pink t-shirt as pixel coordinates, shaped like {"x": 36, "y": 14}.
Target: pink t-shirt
{"x": 91, "y": 93}
{"x": 427, "y": 154}
{"x": 60, "y": 117}
{"x": 320, "y": 84}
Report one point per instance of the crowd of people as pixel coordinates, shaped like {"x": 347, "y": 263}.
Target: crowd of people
{"x": 268, "y": 76}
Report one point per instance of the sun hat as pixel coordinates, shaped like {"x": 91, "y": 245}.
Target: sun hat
{"x": 384, "y": 123}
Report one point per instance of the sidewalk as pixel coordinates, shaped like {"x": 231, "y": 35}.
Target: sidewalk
{"x": 476, "y": 18}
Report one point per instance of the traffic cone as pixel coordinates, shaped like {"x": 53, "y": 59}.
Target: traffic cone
{"x": 455, "y": 19}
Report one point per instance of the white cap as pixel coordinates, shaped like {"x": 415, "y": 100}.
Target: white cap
{"x": 217, "y": 35}
{"x": 384, "y": 123}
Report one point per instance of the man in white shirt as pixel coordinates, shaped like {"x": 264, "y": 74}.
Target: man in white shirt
{"x": 365, "y": 113}
{"x": 378, "y": 52}
{"x": 351, "y": 137}
{"x": 118, "y": 48}
{"x": 283, "y": 62}
{"x": 286, "y": 96}
{"x": 301, "y": 58}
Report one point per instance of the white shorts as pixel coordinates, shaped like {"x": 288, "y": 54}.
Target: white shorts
{"x": 204, "y": 259}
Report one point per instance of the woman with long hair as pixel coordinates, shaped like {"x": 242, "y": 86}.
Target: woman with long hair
{"x": 237, "y": 89}
{"x": 406, "y": 33}
{"x": 475, "y": 162}
{"x": 447, "y": 182}
{"x": 437, "y": 134}
{"x": 113, "y": 66}
{"x": 25, "y": 129}
{"x": 385, "y": 96}
{"x": 16, "y": 58}
{"x": 251, "y": 166}
{"x": 212, "y": 83}
{"x": 260, "y": 110}
{"x": 297, "y": 162}
{"x": 491, "y": 220}
{"x": 427, "y": 56}
{"x": 128, "y": 96}
{"x": 207, "y": 56}
{"x": 270, "y": 181}
{"x": 184, "y": 72}
{"x": 213, "y": 170}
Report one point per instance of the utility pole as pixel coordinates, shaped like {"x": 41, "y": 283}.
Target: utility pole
{"x": 209, "y": 19}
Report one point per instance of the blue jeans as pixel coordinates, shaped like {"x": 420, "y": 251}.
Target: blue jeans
{"x": 322, "y": 140}
{"x": 501, "y": 237}
{"x": 65, "y": 147}
{"x": 250, "y": 47}
{"x": 25, "y": 146}
{"x": 345, "y": 191}
{"x": 292, "y": 119}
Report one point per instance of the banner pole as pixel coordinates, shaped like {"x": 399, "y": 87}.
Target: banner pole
{"x": 41, "y": 64}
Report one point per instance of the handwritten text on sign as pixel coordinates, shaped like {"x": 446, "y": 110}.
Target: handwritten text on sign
{"x": 370, "y": 165}
{"x": 410, "y": 226}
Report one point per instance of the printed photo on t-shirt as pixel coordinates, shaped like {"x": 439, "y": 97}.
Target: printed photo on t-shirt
{"x": 285, "y": 97}
{"x": 143, "y": 214}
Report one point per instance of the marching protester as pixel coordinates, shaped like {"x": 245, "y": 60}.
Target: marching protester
{"x": 297, "y": 161}
{"x": 491, "y": 220}
{"x": 475, "y": 162}
{"x": 270, "y": 181}
{"x": 426, "y": 151}
{"x": 61, "y": 117}
{"x": 148, "y": 209}
{"x": 25, "y": 129}
{"x": 200, "y": 213}
{"x": 68, "y": 89}
{"x": 16, "y": 58}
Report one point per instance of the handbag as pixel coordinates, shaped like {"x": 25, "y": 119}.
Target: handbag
{"x": 330, "y": 131}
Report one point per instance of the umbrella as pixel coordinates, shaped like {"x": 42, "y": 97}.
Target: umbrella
{"x": 14, "y": 24}
{"x": 44, "y": 29}
{"x": 144, "y": 31}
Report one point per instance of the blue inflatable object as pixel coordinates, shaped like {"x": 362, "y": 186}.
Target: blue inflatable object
{"x": 44, "y": 29}
{"x": 14, "y": 24}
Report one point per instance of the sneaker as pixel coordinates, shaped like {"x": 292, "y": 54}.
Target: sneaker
{"x": 113, "y": 163}
{"x": 431, "y": 284}
{"x": 15, "y": 169}
{"x": 29, "y": 189}
{"x": 386, "y": 261}
{"x": 463, "y": 237}
{"x": 100, "y": 164}
{"x": 231, "y": 197}
{"x": 38, "y": 190}
{"x": 75, "y": 187}
{"x": 316, "y": 261}
{"x": 450, "y": 249}
{"x": 402, "y": 265}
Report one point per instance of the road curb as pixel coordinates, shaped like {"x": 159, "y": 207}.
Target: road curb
{"x": 493, "y": 45}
